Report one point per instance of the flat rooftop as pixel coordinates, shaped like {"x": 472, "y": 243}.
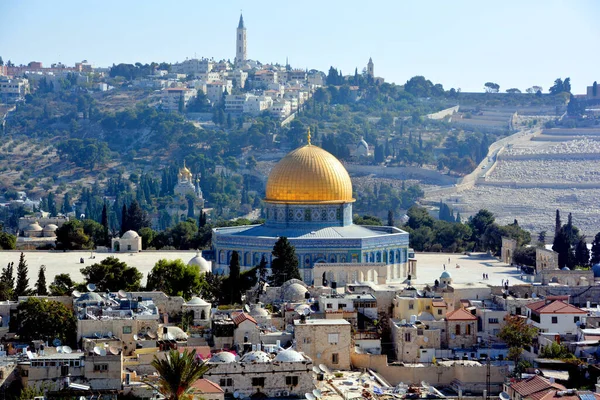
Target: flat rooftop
{"x": 59, "y": 262}
{"x": 322, "y": 322}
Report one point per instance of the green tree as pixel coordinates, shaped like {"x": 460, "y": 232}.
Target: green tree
{"x": 175, "y": 278}
{"x": 46, "y": 320}
{"x": 558, "y": 87}
{"x": 596, "y": 249}
{"x": 556, "y": 351}
{"x": 52, "y": 204}
{"x": 479, "y": 224}
{"x": 136, "y": 217}
{"x": 557, "y": 223}
{"x": 562, "y": 246}
{"x": 582, "y": 254}
{"x": 112, "y": 274}
{"x": 542, "y": 238}
{"x": 40, "y": 285}
{"x": 22, "y": 284}
{"x": 124, "y": 220}
{"x": 525, "y": 256}
{"x": 491, "y": 87}
{"x": 7, "y": 241}
{"x": 233, "y": 281}
{"x": 7, "y": 282}
{"x": 147, "y": 235}
{"x": 177, "y": 372}
{"x": 262, "y": 269}
{"x": 285, "y": 263}
{"x": 390, "y": 220}
{"x": 104, "y": 222}
{"x": 94, "y": 231}
{"x": 367, "y": 220}
{"x": 62, "y": 285}
{"x": 517, "y": 334}
{"x": 71, "y": 236}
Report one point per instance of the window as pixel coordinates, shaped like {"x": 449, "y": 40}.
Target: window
{"x": 555, "y": 320}
{"x": 341, "y": 306}
{"x": 329, "y": 305}
{"x": 407, "y": 336}
{"x": 291, "y": 380}
{"x": 258, "y": 381}
{"x": 575, "y": 319}
{"x": 468, "y": 330}
{"x": 226, "y": 382}
{"x": 333, "y": 338}
{"x": 411, "y": 305}
{"x": 457, "y": 329}
{"x": 518, "y": 310}
{"x": 439, "y": 311}
{"x": 306, "y": 340}
{"x": 493, "y": 320}
{"x": 100, "y": 367}
{"x": 335, "y": 358}
{"x": 126, "y": 330}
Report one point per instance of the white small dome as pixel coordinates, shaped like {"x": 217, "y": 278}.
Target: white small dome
{"x": 259, "y": 311}
{"x": 33, "y": 227}
{"x": 256, "y": 356}
{"x": 201, "y": 262}
{"x": 130, "y": 235}
{"x": 294, "y": 292}
{"x": 197, "y": 301}
{"x": 445, "y": 275}
{"x": 223, "y": 357}
{"x": 175, "y": 332}
{"x": 289, "y": 355}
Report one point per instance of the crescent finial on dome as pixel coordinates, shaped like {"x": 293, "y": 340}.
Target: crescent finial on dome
{"x": 308, "y": 135}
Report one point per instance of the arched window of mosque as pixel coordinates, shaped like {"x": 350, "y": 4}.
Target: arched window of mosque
{"x": 332, "y": 259}
{"x": 343, "y": 259}
{"x": 378, "y": 257}
{"x": 307, "y": 261}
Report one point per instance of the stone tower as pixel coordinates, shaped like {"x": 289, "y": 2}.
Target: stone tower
{"x": 240, "y": 42}
{"x": 370, "y": 70}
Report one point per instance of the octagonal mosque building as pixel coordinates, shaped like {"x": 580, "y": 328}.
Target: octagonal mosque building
{"x": 309, "y": 201}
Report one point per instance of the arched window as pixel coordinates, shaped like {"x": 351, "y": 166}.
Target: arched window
{"x": 457, "y": 329}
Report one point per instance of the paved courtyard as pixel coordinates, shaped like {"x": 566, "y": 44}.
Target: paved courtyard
{"x": 58, "y": 262}
{"x": 431, "y": 265}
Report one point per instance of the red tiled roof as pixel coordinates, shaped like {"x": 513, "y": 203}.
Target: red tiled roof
{"x": 241, "y": 317}
{"x": 534, "y": 384}
{"x": 460, "y": 314}
{"x": 554, "y": 307}
{"x": 202, "y": 351}
{"x": 438, "y": 303}
{"x": 575, "y": 395}
{"x": 206, "y": 386}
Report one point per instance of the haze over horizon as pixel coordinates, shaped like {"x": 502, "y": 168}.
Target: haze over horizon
{"x": 461, "y": 44}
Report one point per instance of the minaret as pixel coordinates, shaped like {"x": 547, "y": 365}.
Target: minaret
{"x": 240, "y": 42}
{"x": 370, "y": 70}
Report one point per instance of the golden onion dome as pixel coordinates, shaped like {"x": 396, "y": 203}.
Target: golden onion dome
{"x": 309, "y": 175}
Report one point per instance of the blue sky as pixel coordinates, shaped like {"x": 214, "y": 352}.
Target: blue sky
{"x": 461, "y": 44}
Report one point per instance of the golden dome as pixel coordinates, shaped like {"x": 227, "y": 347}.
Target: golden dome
{"x": 185, "y": 172}
{"x": 309, "y": 175}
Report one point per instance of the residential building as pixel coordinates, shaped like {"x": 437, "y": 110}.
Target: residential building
{"x": 234, "y": 103}
{"x": 193, "y": 66}
{"x": 257, "y": 104}
{"x": 207, "y": 390}
{"x": 265, "y": 76}
{"x": 246, "y": 329}
{"x": 13, "y": 89}
{"x": 327, "y": 341}
{"x": 239, "y": 78}
{"x": 528, "y": 388}
{"x": 215, "y": 90}
{"x": 281, "y": 108}
{"x": 461, "y": 329}
{"x": 175, "y": 98}
{"x": 417, "y": 342}
{"x": 365, "y": 304}
{"x": 555, "y": 315}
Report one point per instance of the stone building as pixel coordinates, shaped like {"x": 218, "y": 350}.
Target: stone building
{"x": 508, "y": 250}
{"x": 257, "y": 373}
{"x": 461, "y": 329}
{"x": 130, "y": 242}
{"x": 416, "y": 342}
{"x": 545, "y": 259}
{"x": 246, "y": 329}
{"x": 327, "y": 341}
{"x": 200, "y": 310}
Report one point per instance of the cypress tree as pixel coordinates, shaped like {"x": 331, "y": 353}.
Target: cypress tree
{"x": 557, "y": 223}
{"x": 582, "y": 254}
{"x": 105, "y": 224}
{"x": 595, "y": 250}
{"x": 124, "y": 220}
{"x": 234, "y": 278}
{"x": 285, "y": 263}
{"x": 22, "y": 286}
{"x": 40, "y": 285}
{"x": 390, "y": 220}
{"x": 7, "y": 282}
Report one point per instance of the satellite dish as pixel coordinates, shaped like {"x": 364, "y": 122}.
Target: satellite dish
{"x": 109, "y": 334}
{"x": 102, "y": 352}
{"x": 170, "y": 336}
{"x": 317, "y": 393}
{"x": 236, "y": 395}
{"x": 504, "y": 396}
{"x": 135, "y": 337}
{"x": 97, "y": 350}
{"x": 306, "y": 311}
{"x": 453, "y": 336}
{"x": 324, "y": 368}
{"x": 426, "y": 339}
{"x": 246, "y": 308}
{"x": 98, "y": 335}
{"x": 67, "y": 350}
{"x": 151, "y": 335}
{"x": 113, "y": 350}
{"x": 122, "y": 294}
{"x": 309, "y": 396}
{"x": 56, "y": 342}
{"x": 533, "y": 296}
{"x": 59, "y": 349}
{"x": 316, "y": 370}
{"x": 76, "y": 294}
{"x": 91, "y": 287}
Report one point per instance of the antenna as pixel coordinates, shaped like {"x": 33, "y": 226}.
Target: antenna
{"x": 56, "y": 342}
{"x": 109, "y": 334}
{"x": 236, "y": 395}
{"x": 309, "y": 396}
{"x": 59, "y": 349}
{"x": 122, "y": 294}
{"x": 113, "y": 350}
{"x": 91, "y": 287}
{"x": 317, "y": 393}
{"x": 102, "y": 352}
{"x": 135, "y": 337}
{"x": 246, "y": 308}
{"x": 97, "y": 350}
{"x": 306, "y": 311}
{"x": 76, "y": 294}
{"x": 67, "y": 350}
{"x": 316, "y": 370}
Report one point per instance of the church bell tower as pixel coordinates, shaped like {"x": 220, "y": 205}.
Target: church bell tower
{"x": 240, "y": 42}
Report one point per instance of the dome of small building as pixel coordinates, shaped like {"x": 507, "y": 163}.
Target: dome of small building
{"x": 289, "y": 355}
{"x": 596, "y": 269}
{"x": 130, "y": 235}
{"x": 201, "y": 262}
{"x": 565, "y": 268}
{"x": 223, "y": 357}
{"x": 33, "y": 227}
{"x": 89, "y": 297}
{"x": 425, "y": 316}
{"x": 256, "y": 356}
{"x": 445, "y": 275}
{"x": 294, "y": 292}
{"x": 175, "y": 332}
{"x": 50, "y": 228}
{"x": 259, "y": 311}
{"x": 197, "y": 301}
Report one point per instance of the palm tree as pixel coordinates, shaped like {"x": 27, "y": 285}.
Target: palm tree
{"x": 177, "y": 373}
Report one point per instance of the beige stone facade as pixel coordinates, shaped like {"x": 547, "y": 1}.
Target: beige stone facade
{"x": 326, "y": 341}
{"x": 508, "y": 250}
{"x": 545, "y": 259}
{"x": 415, "y": 343}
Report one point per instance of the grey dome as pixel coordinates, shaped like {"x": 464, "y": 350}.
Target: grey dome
{"x": 33, "y": 227}
{"x": 294, "y": 292}
{"x": 201, "y": 262}
{"x": 446, "y": 275}
{"x": 90, "y": 297}
{"x": 130, "y": 235}
{"x": 256, "y": 356}
{"x": 196, "y": 301}
{"x": 289, "y": 355}
{"x": 223, "y": 357}
{"x": 259, "y": 311}
{"x": 50, "y": 228}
